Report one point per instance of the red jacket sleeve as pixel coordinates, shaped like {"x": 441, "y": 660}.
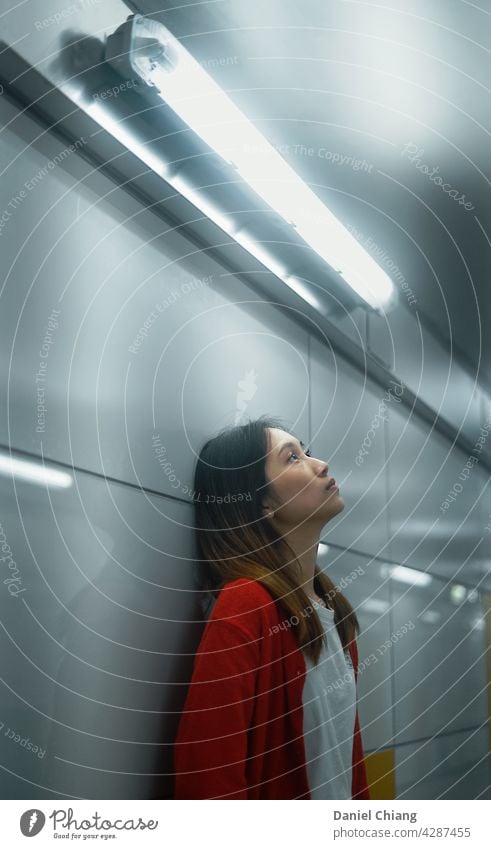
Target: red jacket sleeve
{"x": 210, "y": 750}
{"x": 359, "y": 783}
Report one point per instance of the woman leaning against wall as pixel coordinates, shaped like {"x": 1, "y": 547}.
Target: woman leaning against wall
{"x": 271, "y": 710}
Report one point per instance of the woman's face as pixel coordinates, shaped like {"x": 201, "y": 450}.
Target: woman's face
{"x": 299, "y": 483}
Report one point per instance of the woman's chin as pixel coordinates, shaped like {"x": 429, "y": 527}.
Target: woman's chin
{"x": 335, "y": 504}
{"x": 331, "y": 507}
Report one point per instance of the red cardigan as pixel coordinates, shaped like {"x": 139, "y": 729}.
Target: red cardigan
{"x": 241, "y": 732}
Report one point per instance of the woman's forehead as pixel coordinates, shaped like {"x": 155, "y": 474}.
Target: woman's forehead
{"x": 279, "y": 438}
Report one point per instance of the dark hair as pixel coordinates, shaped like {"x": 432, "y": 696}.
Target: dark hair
{"x": 235, "y": 540}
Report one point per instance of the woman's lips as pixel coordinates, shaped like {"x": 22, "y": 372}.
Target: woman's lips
{"x": 332, "y": 484}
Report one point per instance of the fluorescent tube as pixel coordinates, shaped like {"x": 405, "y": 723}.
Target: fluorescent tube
{"x": 158, "y": 58}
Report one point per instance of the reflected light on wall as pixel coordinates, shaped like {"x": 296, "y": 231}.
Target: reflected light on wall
{"x": 432, "y": 617}
{"x": 374, "y": 605}
{"x": 32, "y": 472}
{"x": 457, "y": 593}
{"x": 408, "y": 576}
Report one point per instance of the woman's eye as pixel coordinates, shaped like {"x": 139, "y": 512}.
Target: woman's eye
{"x": 308, "y": 453}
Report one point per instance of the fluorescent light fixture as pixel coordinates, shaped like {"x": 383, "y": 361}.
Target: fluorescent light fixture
{"x": 261, "y": 253}
{"x": 33, "y": 472}
{"x": 257, "y": 249}
{"x": 196, "y": 198}
{"x": 144, "y": 48}
{"x": 126, "y": 137}
{"x": 209, "y": 210}
{"x": 408, "y": 576}
{"x": 304, "y": 292}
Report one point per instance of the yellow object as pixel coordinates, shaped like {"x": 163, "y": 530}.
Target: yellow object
{"x": 381, "y": 774}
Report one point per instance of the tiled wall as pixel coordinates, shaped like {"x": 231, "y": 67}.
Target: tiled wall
{"x": 423, "y": 684}
{"x": 98, "y": 647}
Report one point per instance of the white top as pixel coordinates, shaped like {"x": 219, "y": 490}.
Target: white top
{"x": 329, "y": 708}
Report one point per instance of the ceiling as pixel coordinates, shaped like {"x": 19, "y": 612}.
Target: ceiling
{"x": 395, "y": 90}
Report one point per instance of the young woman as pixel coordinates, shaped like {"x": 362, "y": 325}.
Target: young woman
{"x": 271, "y": 710}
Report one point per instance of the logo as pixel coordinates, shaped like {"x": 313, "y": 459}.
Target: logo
{"x": 31, "y": 822}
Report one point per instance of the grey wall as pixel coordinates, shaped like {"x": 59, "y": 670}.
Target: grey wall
{"x": 98, "y": 648}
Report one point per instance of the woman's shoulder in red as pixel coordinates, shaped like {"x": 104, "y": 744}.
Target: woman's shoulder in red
{"x": 244, "y": 601}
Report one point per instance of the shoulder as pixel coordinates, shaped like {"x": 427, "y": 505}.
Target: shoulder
{"x": 244, "y": 602}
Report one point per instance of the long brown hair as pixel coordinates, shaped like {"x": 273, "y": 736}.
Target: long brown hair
{"x": 235, "y": 540}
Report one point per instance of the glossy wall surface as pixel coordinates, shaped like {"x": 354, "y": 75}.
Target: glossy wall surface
{"x": 138, "y": 347}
